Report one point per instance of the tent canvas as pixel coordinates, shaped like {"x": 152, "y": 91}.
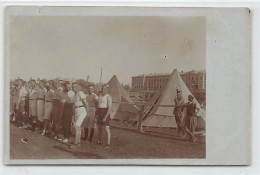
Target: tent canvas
{"x": 158, "y": 116}
{"x": 123, "y": 107}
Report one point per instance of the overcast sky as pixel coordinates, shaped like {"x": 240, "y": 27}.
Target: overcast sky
{"x": 74, "y": 47}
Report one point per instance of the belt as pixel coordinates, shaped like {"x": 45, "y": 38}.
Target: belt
{"x": 32, "y": 99}
{"x": 48, "y": 101}
{"x": 40, "y": 99}
{"x": 79, "y": 106}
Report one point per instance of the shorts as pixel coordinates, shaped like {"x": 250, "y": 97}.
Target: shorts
{"x": 33, "y": 108}
{"x": 101, "y": 112}
{"x": 89, "y": 121}
{"x": 47, "y": 110}
{"x": 80, "y": 115}
{"x": 40, "y": 110}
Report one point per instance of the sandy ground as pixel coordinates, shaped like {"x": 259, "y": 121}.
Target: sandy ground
{"x": 125, "y": 144}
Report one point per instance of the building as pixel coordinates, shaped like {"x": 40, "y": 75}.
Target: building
{"x": 151, "y": 83}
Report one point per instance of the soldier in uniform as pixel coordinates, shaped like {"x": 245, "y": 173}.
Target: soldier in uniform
{"x": 191, "y": 114}
{"x": 89, "y": 122}
{"x": 48, "y": 96}
{"x": 40, "y": 104}
{"x": 178, "y": 110}
{"x": 67, "y": 110}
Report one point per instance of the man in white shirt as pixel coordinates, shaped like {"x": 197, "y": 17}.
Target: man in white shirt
{"x": 81, "y": 107}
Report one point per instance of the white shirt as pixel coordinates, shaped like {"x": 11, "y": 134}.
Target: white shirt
{"x": 22, "y": 92}
{"x": 104, "y": 101}
{"x": 67, "y": 97}
{"x": 77, "y": 99}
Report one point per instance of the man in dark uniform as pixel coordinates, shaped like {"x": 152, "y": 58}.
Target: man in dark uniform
{"x": 178, "y": 110}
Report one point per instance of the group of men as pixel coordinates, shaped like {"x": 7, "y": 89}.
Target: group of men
{"x": 60, "y": 108}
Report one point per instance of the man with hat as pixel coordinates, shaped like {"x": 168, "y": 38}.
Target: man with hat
{"x": 178, "y": 110}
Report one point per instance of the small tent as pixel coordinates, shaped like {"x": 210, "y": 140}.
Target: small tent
{"x": 123, "y": 108}
{"x": 160, "y": 116}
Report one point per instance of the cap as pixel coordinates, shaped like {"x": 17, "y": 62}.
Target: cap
{"x": 178, "y": 90}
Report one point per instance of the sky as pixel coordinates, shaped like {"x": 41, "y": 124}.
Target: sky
{"x": 77, "y": 47}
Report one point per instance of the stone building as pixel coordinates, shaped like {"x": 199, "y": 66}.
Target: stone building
{"x": 149, "y": 84}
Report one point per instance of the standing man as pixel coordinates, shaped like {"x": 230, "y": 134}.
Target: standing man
{"x": 191, "y": 114}
{"x": 178, "y": 110}
{"x": 89, "y": 123}
{"x": 56, "y": 109}
{"x": 103, "y": 114}
{"x": 67, "y": 110}
{"x": 81, "y": 107}
{"x": 40, "y": 104}
{"x": 12, "y": 101}
{"x": 33, "y": 104}
{"x": 47, "y": 109}
{"x": 20, "y": 107}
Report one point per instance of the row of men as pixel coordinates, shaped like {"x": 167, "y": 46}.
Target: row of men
{"x": 59, "y": 108}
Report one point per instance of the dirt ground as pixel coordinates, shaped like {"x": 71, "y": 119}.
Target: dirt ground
{"x": 126, "y": 144}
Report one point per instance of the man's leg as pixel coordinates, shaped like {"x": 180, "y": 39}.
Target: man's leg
{"x": 108, "y": 134}
{"x": 91, "y": 134}
{"x": 100, "y": 127}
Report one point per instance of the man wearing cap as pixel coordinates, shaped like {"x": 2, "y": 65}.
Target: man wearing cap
{"x": 191, "y": 114}
{"x": 67, "y": 110}
{"x": 81, "y": 107}
{"x": 89, "y": 122}
{"x": 48, "y": 96}
{"x": 178, "y": 110}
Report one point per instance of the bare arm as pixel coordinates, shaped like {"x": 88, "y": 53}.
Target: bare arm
{"x": 109, "y": 102}
{"x": 85, "y": 103}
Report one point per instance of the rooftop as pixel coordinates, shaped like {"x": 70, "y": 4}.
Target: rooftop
{"x": 168, "y": 74}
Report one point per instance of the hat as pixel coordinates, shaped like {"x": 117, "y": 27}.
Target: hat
{"x": 190, "y": 96}
{"x": 178, "y": 90}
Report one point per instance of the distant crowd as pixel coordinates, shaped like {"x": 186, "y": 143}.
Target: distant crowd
{"x": 60, "y": 108}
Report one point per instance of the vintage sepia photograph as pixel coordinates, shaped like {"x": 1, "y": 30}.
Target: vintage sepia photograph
{"x": 99, "y": 87}
{"x": 107, "y": 87}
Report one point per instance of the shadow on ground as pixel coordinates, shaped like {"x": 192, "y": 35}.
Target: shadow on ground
{"x": 78, "y": 154}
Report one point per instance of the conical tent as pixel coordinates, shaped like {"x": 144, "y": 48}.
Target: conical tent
{"x": 159, "y": 116}
{"x": 123, "y": 107}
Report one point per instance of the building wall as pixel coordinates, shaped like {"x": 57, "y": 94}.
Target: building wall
{"x": 195, "y": 81}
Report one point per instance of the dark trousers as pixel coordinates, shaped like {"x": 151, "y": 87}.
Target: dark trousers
{"x": 56, "y": 110}
{"x": 178, "y": 118}
{"x": 66, "y": 119}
